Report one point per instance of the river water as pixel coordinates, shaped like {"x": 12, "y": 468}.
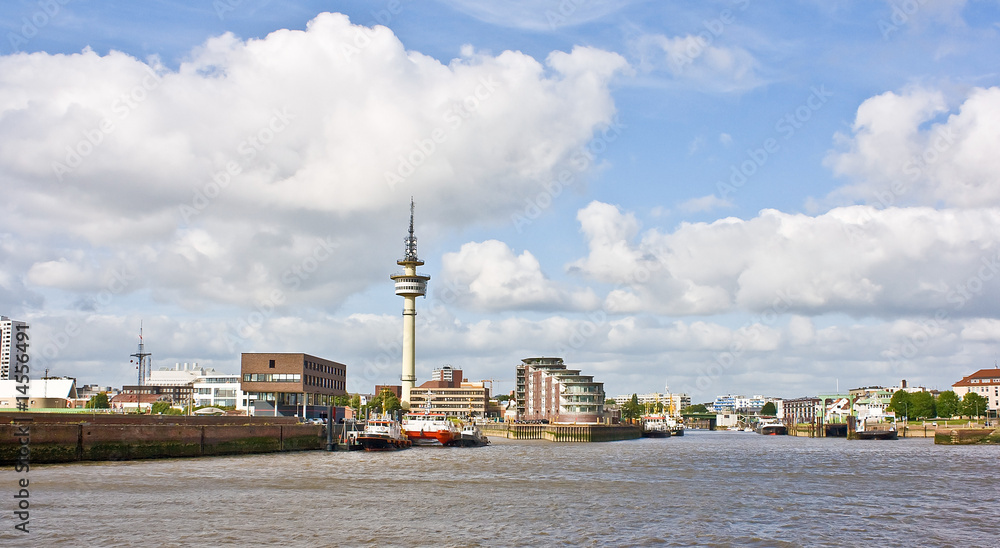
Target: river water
{"x": 704, "y": 489}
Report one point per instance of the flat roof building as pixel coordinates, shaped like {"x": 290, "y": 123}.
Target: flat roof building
{"x": 292, "y": 379}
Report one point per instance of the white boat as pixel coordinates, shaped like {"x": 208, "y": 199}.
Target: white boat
{"x": 470, "y": 436}
{"x": 426, "y": 428}
{"x": 661, "y": 426}
{"x": 383, "y": 434}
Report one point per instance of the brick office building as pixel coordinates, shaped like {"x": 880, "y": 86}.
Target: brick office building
{"x": 287, "y": 383}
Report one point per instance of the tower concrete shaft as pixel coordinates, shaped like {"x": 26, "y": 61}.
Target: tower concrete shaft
{"x": 409, "y": 285}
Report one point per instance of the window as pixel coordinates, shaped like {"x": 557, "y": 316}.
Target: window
{"x": 270, "y": 363}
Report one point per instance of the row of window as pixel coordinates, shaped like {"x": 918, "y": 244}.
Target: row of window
{"x": 323, "y": 368}
{"x": 272, "y": 377}
{"x": 324, "y": 382}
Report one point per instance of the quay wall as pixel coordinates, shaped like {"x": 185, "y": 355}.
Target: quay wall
{"x": 966, "y": 436}
{"x": 562, "y": 432}
{"x": 51, "y": 442}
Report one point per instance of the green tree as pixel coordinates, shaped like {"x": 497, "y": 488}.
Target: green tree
{"x": 694, "y": 409}
{"x": 921, "y": 405}
{"x": 610, "y": 401}
{"x": 341, "y": 401}
{"x": 355, "y": 402}
{"x": 973, "y": 405}
{"x": 390, "y": 403}
{"x": 900, "y": 403}
{"x": 99, "y": 401}
{"x": 769, "y": 410}
{"x": 632, "y": 409}
{"x": 160, "y": 407}
{"x": 947, "y": 404}
{"x": 503, "y": 398}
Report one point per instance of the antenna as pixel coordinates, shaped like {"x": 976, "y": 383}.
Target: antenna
{"x": 140, "y": 357}
{"x": 410, "y": 251}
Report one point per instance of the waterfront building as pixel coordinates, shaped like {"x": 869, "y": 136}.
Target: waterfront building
{"x": 738, "y": 404}
{"x": 175, "y": 394}
{"x": 409, "y": 285}
{"x": 871, "y": 401}
{"x": 450, "y": 393}
{"x": 274, "y": 379}
{"x": 547, "y": 390}
{"x": 835, "y": 408}
{"x": 43, "y": 393}
{"x": 799, "y": 410}
{"x": 672, "y": 403}
{"x": 219, "y": 390}
{"x": 8, "y": 343}
{"x": 985, "y": 382}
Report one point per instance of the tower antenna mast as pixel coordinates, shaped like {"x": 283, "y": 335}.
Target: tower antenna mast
{"x": 141, "y": 357}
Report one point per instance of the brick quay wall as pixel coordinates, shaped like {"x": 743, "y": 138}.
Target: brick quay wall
{"x": 51, "y": 438}
{"x": 562, "y": 432}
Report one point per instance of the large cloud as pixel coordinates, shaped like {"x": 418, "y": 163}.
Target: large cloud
{"x": 246, "y": 170}
{"x": 858, "y": 260}
{"x": 488, "y": 276}
{"x": 910, "y": 148}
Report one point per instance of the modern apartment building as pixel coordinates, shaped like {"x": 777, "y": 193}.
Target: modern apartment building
{"x": 547, "y": 390}
{"x": 8, "y": 342}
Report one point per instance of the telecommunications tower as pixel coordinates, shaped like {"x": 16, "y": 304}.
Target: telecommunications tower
{"x": 409, "y": 285}
{"x": 141, "y": 358}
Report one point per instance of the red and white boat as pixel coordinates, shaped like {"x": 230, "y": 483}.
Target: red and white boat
{"x": 383, "y": 434}
{"x": 426, "y": 428}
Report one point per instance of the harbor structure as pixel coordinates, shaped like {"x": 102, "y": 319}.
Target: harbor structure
{"x": 7, "y": 343}
{"x": 547, "y": 390}
{"x": 291, "y": 380}
{"x": 142, "y": 360}
{"x": 409, "y": 285}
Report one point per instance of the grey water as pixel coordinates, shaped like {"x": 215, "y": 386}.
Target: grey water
{"x": 703, "y": 489}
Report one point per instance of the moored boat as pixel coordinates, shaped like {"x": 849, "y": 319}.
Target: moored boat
{"x": 771, "y": 427}
{"x": 470, "y": 436}
{"x": 383, "y": 434}
{"x": 661, "y": 426}
{"x": 426, "y": 428}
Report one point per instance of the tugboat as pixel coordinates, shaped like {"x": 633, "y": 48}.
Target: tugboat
{"x": 661, "y": 426}
{"x": 383, "y": 434}
{"x": 655, "y": 426}
{"x": 470, "y": 436}
{"x": 426, "y": 428}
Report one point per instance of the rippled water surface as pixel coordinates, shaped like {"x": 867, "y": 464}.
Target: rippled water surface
{"x": 705, "y": 489}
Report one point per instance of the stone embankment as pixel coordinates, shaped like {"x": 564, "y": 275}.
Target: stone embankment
{"x": 966, "y": 436}
{"x": 562, "y": 432}
{"x": 49, "y": 438}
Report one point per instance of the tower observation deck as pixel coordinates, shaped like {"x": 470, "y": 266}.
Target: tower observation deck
{"x": 409, "y": 285}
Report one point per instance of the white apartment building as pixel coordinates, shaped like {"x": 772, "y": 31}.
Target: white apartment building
{"x": 7, "y": 328}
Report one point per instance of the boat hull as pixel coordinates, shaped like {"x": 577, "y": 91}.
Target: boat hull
{"x": 655, "y": 434}
{"x": 878, "y": 435}
{"x": 773, "y": 430}
{"x": 383, "y": 443}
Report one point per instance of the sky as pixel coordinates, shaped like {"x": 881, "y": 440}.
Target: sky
{"x": 776, "y": 198}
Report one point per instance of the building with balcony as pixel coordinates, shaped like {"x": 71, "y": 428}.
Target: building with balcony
{"x": 672, "y": 404}
{"x": 547, "y": 390}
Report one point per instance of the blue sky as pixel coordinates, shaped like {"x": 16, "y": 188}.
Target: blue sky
{"x": 764, "y": 198}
